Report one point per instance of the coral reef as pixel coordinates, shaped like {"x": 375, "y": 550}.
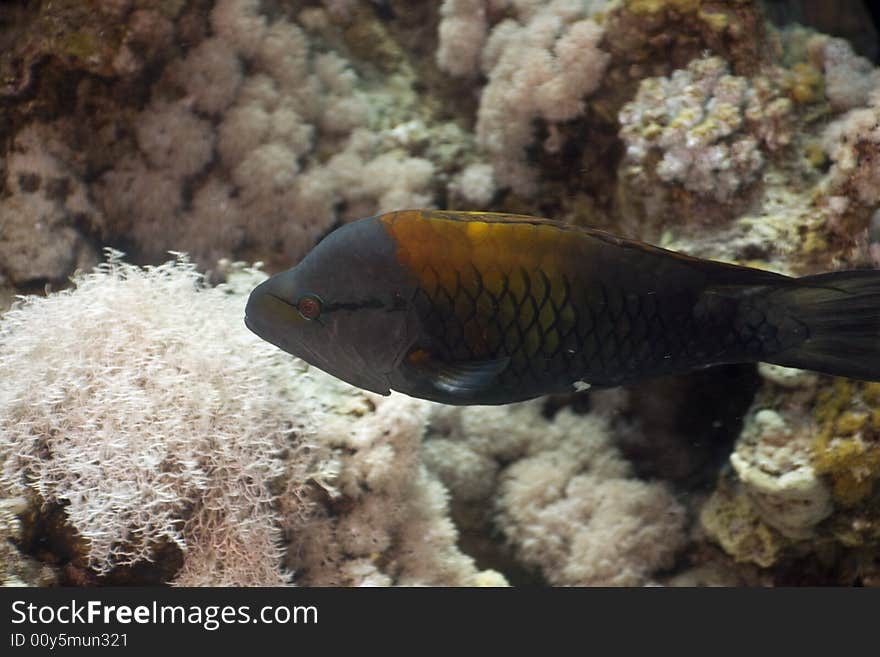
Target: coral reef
{"x": 154, "y": 440}
{"x": 259, "y": 129}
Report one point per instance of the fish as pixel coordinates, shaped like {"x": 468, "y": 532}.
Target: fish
{"x": 486, "y": 308}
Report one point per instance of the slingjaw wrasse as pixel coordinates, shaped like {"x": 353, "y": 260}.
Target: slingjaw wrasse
{"x": 479, "y": 308}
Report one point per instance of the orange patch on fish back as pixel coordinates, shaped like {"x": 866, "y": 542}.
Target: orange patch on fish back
{"x": 461, "y": 242}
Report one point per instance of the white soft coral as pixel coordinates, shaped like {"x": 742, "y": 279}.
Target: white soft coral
{"x": 139, "y": 401}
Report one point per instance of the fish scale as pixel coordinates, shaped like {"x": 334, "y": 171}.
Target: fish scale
{"x": 532, "y": 330}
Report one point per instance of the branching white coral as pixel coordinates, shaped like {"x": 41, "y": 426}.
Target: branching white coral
{"x": 140, "y": 402}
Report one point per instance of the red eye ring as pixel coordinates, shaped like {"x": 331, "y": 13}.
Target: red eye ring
{"x": 309, "y": 306}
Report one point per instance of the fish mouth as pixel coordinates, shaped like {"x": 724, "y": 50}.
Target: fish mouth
{"x": 265, "y": 313}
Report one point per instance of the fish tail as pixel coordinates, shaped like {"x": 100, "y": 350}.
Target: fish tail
{"x": 836, "y": 317}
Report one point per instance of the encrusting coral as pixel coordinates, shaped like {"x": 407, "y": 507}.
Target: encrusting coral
{"x": 710, "y": 127}
{"x": 804, "y": 470}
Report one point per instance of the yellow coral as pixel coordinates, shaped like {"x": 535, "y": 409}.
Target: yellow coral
{"x": 841, "y": 451}
{"x": 871, "y": 393}
{"x": 806, "y": 84}
{"x": 686, "y": 117}
{"x": 850, "y": 423}
{"x": 706, "y": 129}
{"x": 728, "y": 114}
{"x": 652, "y": 131}
{"x": 717, "y": 20}
{"x": 830, "y": 402}
{"x": 815, "y": 154}
{"x": 853, "y": 466}
{"x": 655, "y": 6}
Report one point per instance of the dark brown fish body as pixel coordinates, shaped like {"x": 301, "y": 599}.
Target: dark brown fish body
{"x": 476, "y": 308}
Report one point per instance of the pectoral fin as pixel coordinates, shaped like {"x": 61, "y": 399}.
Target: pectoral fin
{"x": 460, "y": 378}
{"x": 468, "y": 377}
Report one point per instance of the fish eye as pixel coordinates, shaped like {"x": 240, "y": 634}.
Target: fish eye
{"x": 309, "y": 306}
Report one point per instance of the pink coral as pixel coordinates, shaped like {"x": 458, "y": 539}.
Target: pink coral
{"x": 239, "y": 23}
{"x": 848, "y": 78}
{"x": 174, "y": 140}
{"x": 542, "y": 67}
{"x": 853, "y": 144}
{"x": 558, "y": 491}
{"x": 211, "y": 73}
{"x": 462, "y": 34}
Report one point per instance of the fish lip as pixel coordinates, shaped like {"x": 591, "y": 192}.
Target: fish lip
{"x": 252, "y": 311}
{"x": 256, "y": 327}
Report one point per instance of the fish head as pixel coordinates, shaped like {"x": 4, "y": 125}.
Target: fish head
{"x": 346, "y": 308}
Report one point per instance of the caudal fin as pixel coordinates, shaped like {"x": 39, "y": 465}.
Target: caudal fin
{"x": 841, "y": 314}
